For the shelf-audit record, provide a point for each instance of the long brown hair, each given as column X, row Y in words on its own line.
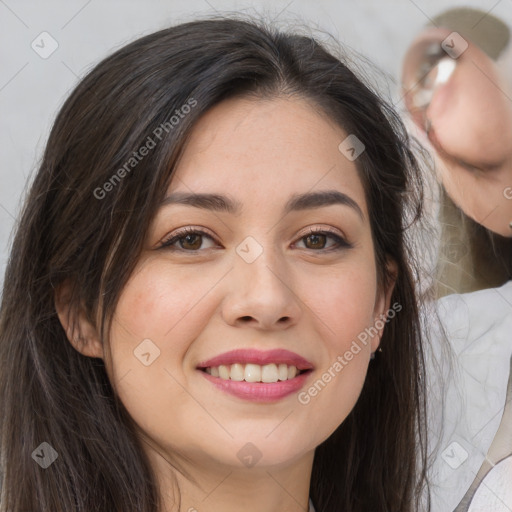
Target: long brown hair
column 72, row 229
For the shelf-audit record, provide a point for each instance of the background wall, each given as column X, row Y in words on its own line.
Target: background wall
column 32, row 88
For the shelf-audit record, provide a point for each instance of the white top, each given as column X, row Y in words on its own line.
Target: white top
column 495, row 492
column 469, row 398
column 311, row 508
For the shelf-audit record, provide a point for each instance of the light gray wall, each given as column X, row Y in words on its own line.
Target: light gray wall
column 32, row 88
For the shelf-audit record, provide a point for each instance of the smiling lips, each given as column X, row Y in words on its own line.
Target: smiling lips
column 253, row 372
column 256, row 375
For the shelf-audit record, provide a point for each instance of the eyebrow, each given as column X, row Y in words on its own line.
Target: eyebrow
column 298, row 202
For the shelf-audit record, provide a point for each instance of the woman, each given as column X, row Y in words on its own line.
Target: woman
column 458, row 90
column 459, row 86
column 209, row 303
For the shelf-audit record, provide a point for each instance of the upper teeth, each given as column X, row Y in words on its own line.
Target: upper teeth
column 253, row 372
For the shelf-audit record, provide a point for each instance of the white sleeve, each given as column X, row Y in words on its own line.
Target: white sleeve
column 466, row 398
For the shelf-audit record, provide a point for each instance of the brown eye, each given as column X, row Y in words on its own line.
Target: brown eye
column 188, row 240
column 323, row 241
column 315, row 241
column 191, row 242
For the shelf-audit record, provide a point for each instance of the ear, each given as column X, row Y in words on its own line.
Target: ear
column 80, row 331
column 383, row 303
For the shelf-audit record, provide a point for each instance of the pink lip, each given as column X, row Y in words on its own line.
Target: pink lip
column 258, row 391
column 245, row 356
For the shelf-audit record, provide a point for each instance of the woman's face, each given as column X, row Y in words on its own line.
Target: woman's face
column 464, row 105
column 259, row 260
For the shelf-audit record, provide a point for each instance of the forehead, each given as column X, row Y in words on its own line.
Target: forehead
column 261, row 148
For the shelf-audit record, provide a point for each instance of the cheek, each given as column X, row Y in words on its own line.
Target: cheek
column 345, row 301
column 163, row 304
column 344, row 305
column 155, row 299
column 158, row 314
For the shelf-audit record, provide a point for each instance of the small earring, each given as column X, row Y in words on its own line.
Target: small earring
column 372, row 355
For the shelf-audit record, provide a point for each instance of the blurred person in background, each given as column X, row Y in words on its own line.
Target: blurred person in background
column 457, row 80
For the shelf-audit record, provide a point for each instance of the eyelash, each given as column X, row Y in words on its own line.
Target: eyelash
column 182, row 233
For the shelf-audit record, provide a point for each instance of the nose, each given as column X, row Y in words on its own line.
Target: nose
column 261, row 294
